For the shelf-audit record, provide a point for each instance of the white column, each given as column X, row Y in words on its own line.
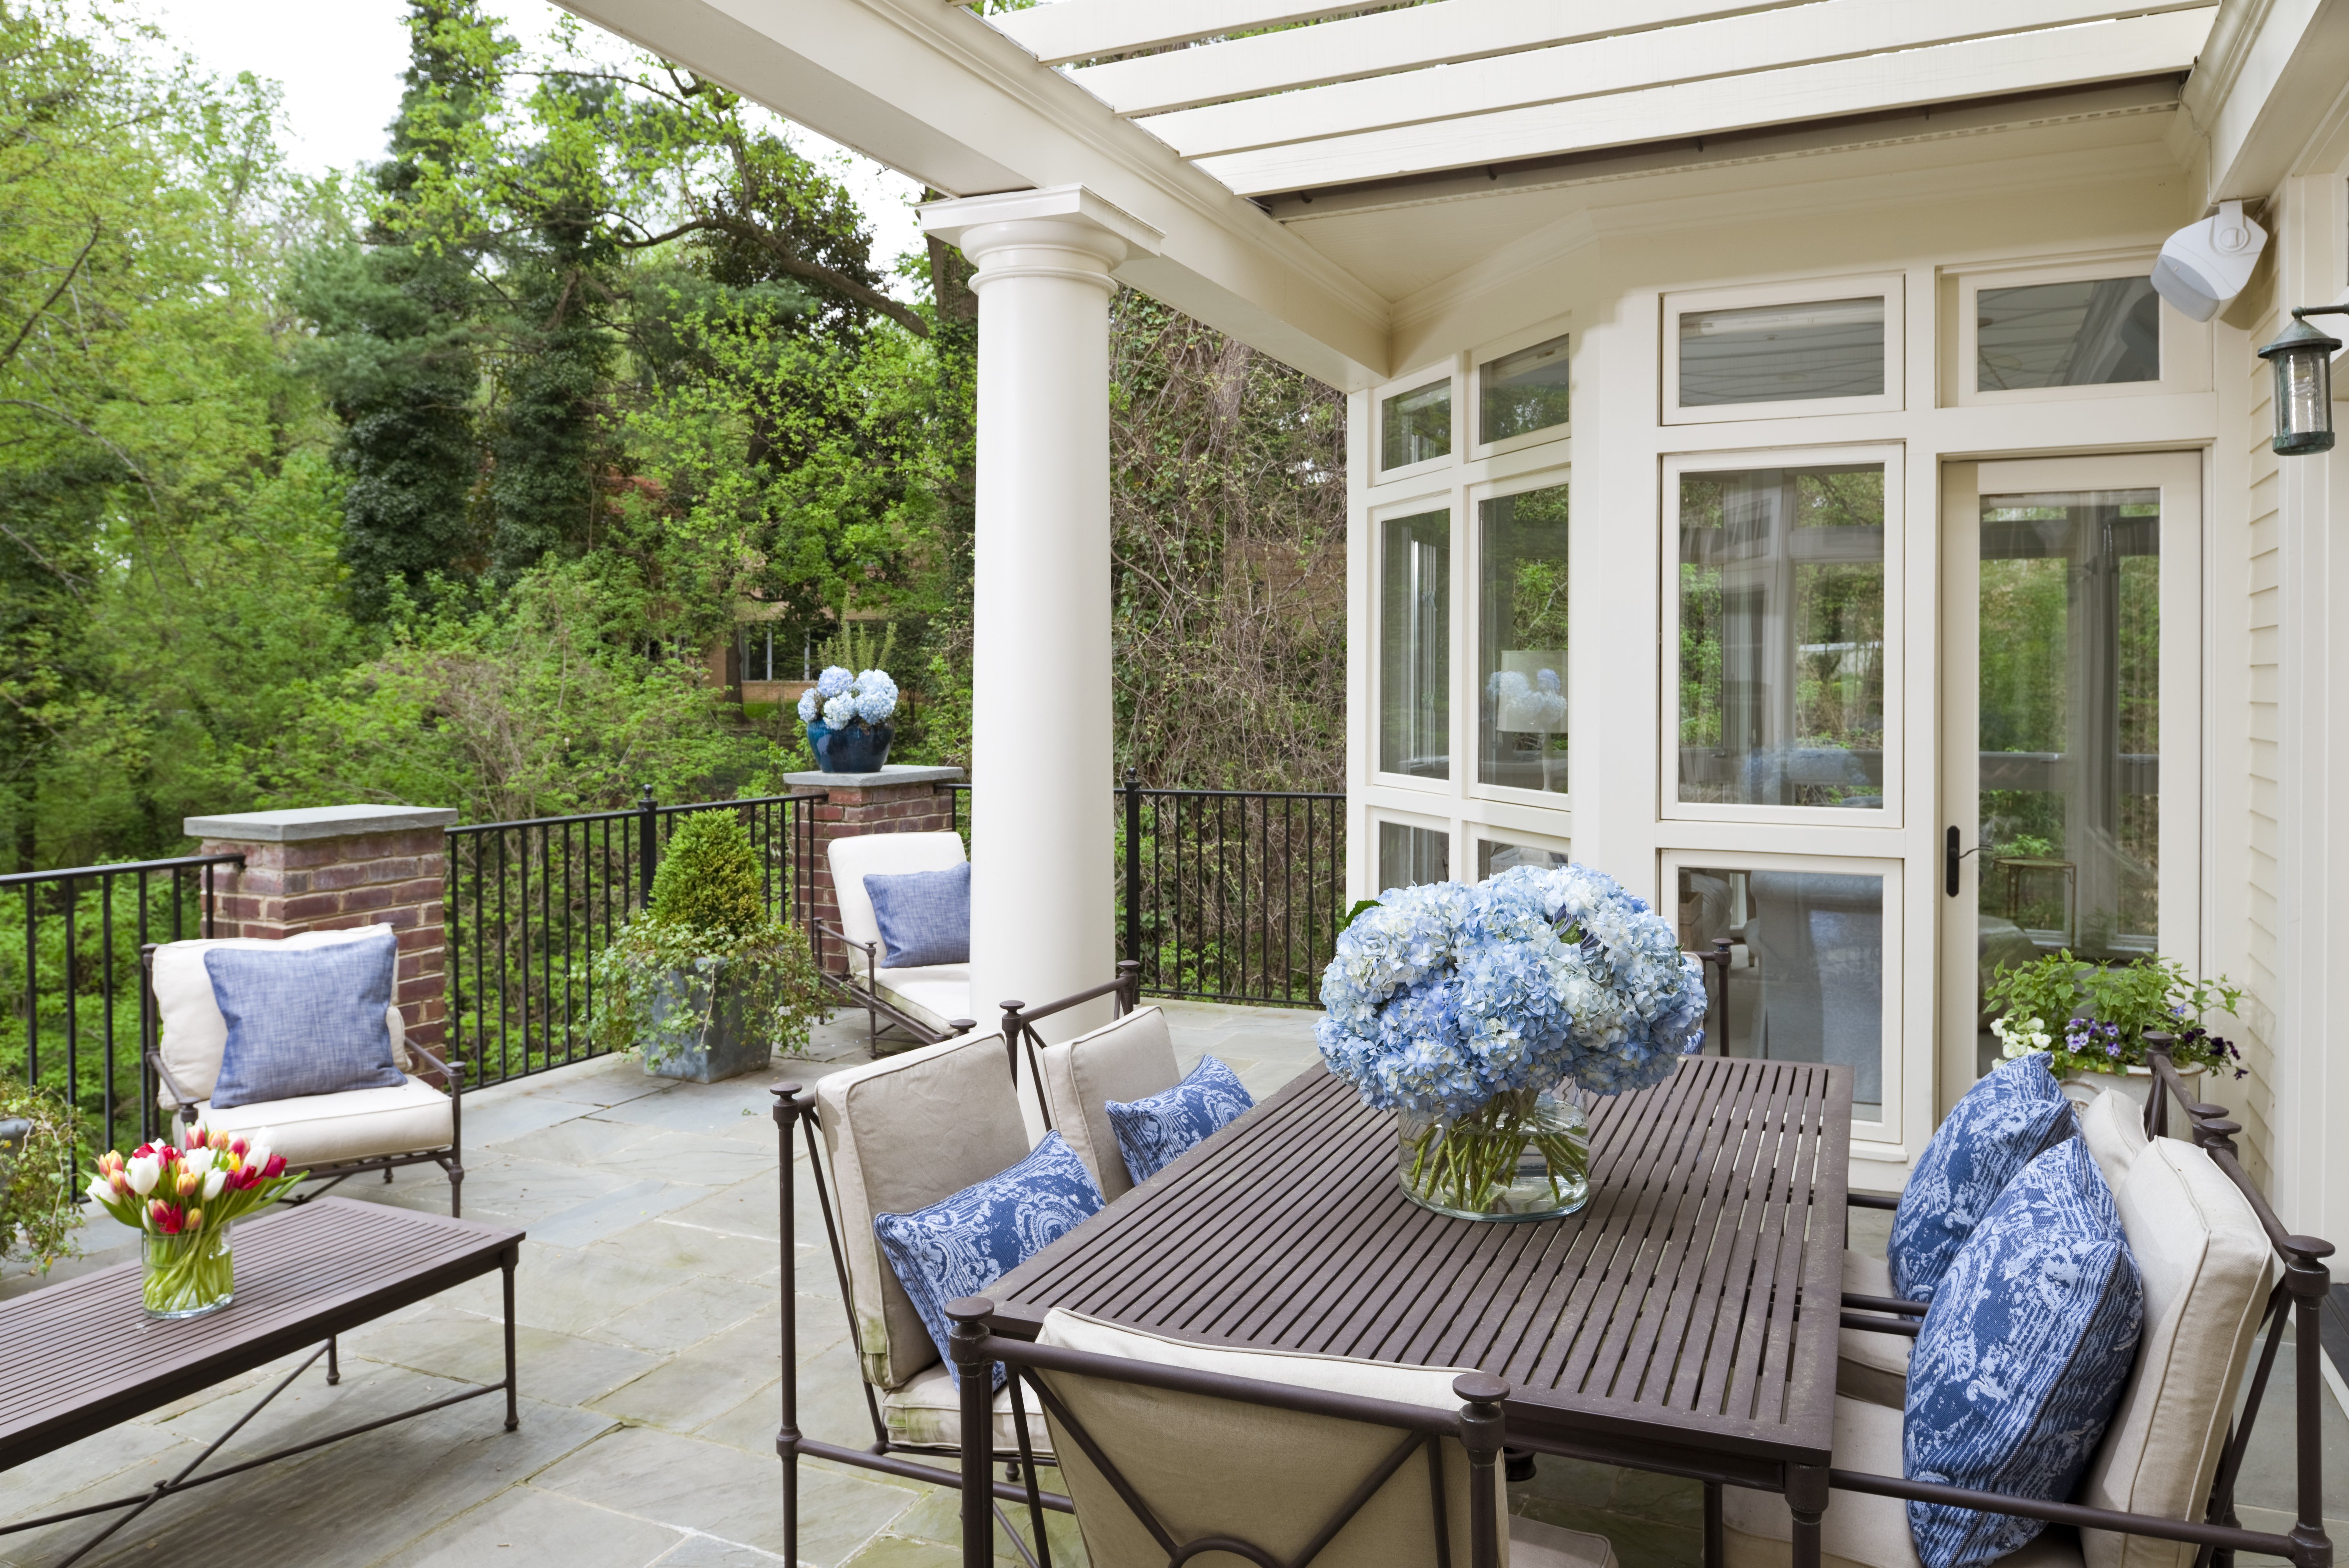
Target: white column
column 1042, row 907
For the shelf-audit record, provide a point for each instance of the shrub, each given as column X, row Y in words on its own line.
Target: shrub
column 37, row 1213
column 709, row 880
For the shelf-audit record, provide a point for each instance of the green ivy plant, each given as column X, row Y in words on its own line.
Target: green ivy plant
column 37, row 1210
column 2093, row 1017
column 705, row 945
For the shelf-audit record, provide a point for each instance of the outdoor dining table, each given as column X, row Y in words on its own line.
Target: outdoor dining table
column 1663, row 1327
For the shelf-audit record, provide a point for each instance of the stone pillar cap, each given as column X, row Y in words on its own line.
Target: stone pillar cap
column 318, row 823
column 891, row 773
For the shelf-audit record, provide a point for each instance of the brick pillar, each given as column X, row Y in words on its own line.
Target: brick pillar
column 897, row 799
column 334, row 867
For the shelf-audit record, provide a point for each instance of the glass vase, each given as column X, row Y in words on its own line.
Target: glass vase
column 1520, row 1156
column 186, row 1276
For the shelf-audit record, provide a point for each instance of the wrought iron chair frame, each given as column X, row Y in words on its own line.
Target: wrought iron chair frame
column 2299, row 1294
column 1019, row 1022
column 325, row 1175
column 867, row 996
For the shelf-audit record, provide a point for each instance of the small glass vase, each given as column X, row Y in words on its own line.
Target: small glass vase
column 1521, row 1156
column 186, row 1276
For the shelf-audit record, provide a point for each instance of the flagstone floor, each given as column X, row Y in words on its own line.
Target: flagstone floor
column 649, row 1341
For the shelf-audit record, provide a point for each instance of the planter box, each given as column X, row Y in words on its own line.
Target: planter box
column 727, row 1048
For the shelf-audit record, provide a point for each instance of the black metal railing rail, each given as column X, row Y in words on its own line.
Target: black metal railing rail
column 70, row 945
column 530, row 904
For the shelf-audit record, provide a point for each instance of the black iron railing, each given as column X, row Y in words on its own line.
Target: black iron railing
column 530, row 904
column 71, row 964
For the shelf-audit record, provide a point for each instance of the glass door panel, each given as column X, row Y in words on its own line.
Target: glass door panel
column 1521, row 640
column 1415, row 645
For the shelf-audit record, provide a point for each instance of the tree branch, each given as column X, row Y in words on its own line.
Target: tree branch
column 791, row 261
column 96, row 227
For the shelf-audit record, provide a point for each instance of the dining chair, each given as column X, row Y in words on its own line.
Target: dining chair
column 1174, row 1450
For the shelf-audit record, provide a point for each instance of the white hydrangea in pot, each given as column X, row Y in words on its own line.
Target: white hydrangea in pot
column 847, row 718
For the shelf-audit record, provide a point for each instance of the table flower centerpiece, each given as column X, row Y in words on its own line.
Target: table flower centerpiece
column 847, row 718
column 181, row 1200
column 1469, row 1010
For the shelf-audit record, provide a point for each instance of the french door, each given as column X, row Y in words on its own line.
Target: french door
column 2071, row 724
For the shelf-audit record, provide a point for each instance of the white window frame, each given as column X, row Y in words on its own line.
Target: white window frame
column 2185, row 343
column 1887, row 817
column 1473, row 415
column 1378, row 816
column 1805, row 290
column 1483, row 833
column 1445, row 499
column 1877, row 1140
column 1472, row 679
column 1426, row 375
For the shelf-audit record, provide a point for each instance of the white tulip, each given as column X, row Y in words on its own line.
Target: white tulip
column 197, row 1159
column 213, row 1181
column 101, row 1190
column 143, row 1173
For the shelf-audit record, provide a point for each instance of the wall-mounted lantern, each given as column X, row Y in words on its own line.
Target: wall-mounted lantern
column 2302, row 358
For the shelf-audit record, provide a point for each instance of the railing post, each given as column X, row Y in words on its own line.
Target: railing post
column 648, row 848
column 1132, row 867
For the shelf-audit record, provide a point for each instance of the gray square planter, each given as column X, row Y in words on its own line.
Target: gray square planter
column 727, row 1048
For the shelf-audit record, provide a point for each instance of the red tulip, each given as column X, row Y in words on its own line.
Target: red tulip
column 275, row 1169
column 166, row 1216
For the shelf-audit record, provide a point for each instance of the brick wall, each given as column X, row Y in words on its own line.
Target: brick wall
column 850, row 809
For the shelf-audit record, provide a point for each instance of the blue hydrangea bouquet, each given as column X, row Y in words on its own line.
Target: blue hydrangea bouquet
column 847, row 718
column 1469, row 1009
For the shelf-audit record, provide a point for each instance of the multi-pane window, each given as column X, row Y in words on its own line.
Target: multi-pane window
column 1520, row 393
column 1415, row 427
column 1414, row 646
column 1521, row 641
column 1408, row 856
column 2097, row 331
column 1782, row 636
column 1783, row 353
column 765, row 657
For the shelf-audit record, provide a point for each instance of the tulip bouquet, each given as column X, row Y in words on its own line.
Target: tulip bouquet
column 181, row 1200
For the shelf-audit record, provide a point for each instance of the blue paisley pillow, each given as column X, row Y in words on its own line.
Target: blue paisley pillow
column 2021, row 1360
column 960, row 1245
column 2005, row 1121
column 1152, row 1132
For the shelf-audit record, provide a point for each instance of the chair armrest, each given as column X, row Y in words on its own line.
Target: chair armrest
column 452, row 1071
column 1907, row 1327
column 1884, row 1201
column 181, row 1097
column 870, row 949
column 1887, row 1303
column 2231, row 1537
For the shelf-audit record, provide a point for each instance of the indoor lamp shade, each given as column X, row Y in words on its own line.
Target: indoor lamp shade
column 2303, row 357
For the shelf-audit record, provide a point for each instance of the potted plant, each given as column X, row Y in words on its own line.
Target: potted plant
column 703, row 980
column 2094, row 1019
column 37, row 1211
column 847, row 718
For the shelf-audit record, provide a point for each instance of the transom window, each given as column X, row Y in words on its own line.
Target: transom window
column 1520, row 393
column 2093, row 332
column 1782, row 352
column 1415, row 427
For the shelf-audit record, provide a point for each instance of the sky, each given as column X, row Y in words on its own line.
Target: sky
column 339, row 62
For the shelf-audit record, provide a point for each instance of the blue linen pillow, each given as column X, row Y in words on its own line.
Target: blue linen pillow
column 1152, row 1132
column 2009, row 1119
column 304, row 1020
column 960, row 1245
column 2022, row 1359
column 923, row 917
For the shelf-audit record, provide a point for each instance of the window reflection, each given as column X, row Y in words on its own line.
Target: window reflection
column 1782, row 637
column 1521, row 639
column 1414, row 646
column 1408, row 856
column 1522, row 392
column 1415, row 426
column 1783, row 353
column 1494, row 857
column 2098, row 333
column 1806, row 967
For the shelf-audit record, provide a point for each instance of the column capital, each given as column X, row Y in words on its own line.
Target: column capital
column 1003, row 233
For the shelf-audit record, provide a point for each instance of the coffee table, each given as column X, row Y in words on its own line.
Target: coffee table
column 1686, row 1321
column 82, row 1356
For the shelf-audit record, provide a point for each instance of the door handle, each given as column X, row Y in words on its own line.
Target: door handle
column 1952, row 860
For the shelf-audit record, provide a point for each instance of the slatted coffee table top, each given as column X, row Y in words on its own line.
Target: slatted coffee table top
column 1666, row 1311
column 81, row 1354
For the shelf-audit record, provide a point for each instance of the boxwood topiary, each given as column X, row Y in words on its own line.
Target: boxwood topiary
column 709, row 879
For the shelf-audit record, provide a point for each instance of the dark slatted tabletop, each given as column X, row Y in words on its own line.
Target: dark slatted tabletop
column 1660, row 1321
column 80, row 1356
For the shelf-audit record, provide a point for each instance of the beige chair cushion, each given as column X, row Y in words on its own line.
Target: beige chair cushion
column 860, row 855
column 193, row 1032
column 926, row 1413
column 2207, row 1268
column 319, row 1128
column 1860, row 1530
column 900, row 1135
column 1272, row 1475
column 2113, row 1125
column 1129, row 1059
column 1871, row 1367
column 934, row 993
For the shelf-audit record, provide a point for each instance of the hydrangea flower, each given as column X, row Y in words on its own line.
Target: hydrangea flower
column 834, row 682
column 876, row 696
column 1443, row 996
column 808, row 705
column 839, row 711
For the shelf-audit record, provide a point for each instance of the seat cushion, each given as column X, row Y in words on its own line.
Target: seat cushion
column 854, row 857
column 966, row 1241
column 409, row 1118
column 1153, row 1133
column 1131, row 1058
column 2003, row 1122
column 926, row 1413
column 2208, row 1268
column 304, row 1020
column 1860, row 1530
column 2113, row 1125
column 924, row 917
column 1871, row 1367
column 2022, row 1357
column 934, row 994
column 899, row 1135
column 193, row 1033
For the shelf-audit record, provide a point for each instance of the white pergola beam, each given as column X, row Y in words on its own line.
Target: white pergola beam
column 1803, row 35
column 1088, row 29
column 2070, row 56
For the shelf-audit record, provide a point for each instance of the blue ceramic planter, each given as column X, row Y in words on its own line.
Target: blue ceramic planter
column 858, row 748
